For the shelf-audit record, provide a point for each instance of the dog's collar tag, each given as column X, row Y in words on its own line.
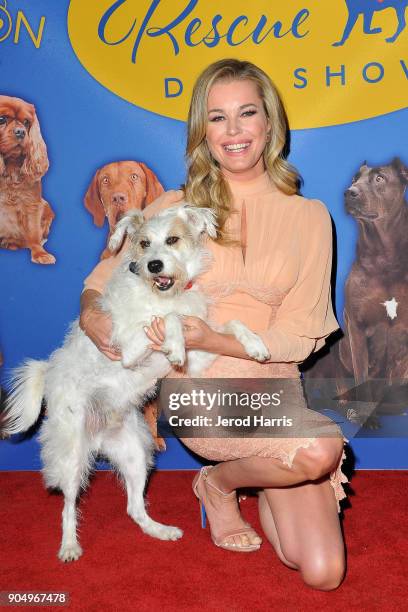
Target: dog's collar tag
column 189, row 285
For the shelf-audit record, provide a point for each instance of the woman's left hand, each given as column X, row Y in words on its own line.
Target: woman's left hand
column 197, row 334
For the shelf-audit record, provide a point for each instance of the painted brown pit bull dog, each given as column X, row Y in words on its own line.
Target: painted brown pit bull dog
column 374, row 349
column 375, row 344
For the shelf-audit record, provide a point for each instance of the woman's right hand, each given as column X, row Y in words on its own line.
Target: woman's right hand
column 97, row 325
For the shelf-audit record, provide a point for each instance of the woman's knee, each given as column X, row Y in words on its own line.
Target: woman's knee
column 319, row 458
column 325, row 574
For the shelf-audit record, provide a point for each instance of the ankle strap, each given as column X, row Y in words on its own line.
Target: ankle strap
column 205, row 471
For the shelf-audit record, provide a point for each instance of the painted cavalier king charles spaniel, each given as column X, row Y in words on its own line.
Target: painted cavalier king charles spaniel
column 25, row 217
column 117, row 188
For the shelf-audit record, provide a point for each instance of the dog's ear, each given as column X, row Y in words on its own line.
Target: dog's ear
column 153, row 186
column 36, row 160
column 203, row 219
column 130, row 225
column 93, row 202
column 401, row 168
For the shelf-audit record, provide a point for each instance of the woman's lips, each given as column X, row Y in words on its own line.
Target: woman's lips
column 236, row 148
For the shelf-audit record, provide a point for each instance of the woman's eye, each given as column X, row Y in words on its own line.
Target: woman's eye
column 172, row 240
column 249, row 113
column 144, row 244
column 216, row 118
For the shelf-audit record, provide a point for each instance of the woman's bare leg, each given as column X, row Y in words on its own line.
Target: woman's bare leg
column 269, row 528
column 304, row 528
column 309, row 464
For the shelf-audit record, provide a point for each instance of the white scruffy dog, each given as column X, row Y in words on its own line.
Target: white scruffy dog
column 92, row 401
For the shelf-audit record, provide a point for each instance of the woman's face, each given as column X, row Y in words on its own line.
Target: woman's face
column 237, row 128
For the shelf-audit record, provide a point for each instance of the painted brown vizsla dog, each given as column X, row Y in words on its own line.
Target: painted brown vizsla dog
column 117, row 188
column 25, row 217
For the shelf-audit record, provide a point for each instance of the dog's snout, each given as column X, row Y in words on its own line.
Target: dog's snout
column 119, row 198
column 20, row 133
column 155, row 266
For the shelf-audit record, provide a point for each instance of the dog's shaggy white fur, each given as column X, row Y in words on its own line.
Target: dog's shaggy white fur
column 92, row 401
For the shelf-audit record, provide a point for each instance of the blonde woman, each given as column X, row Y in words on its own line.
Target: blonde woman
column 271, row 270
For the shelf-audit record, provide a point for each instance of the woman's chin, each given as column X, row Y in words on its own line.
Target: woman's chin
column 242, row 170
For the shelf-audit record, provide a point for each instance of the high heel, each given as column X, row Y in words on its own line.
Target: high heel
column 203, row 515
column 221, row 540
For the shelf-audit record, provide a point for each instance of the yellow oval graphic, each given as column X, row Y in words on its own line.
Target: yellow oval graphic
column 334, row 62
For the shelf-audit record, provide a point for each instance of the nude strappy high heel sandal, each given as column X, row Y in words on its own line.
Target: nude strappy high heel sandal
column 229, row 498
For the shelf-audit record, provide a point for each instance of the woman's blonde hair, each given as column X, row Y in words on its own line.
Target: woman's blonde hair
column 205, row 185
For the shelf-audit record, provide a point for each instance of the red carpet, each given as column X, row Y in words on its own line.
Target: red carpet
column 122, row 569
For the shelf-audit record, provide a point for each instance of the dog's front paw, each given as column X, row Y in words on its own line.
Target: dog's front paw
column 373, row 422
column 367, row 421
column 70, row 552
column 256, row 349
column 43, row 257
column 175, row 354
column 252, row 343
column 159, row 443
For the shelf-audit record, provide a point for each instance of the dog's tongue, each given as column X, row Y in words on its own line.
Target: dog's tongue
column 163, row 280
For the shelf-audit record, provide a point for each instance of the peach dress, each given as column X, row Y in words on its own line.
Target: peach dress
column 278, row 284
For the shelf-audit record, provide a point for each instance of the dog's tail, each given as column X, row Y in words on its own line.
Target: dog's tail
column 23, row 404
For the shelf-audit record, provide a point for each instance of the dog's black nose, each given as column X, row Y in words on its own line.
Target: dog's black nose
column 155, row 266
column 20, row 133
column 133, row 267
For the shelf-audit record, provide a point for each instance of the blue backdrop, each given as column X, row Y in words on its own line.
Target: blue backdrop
column 86, row 126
